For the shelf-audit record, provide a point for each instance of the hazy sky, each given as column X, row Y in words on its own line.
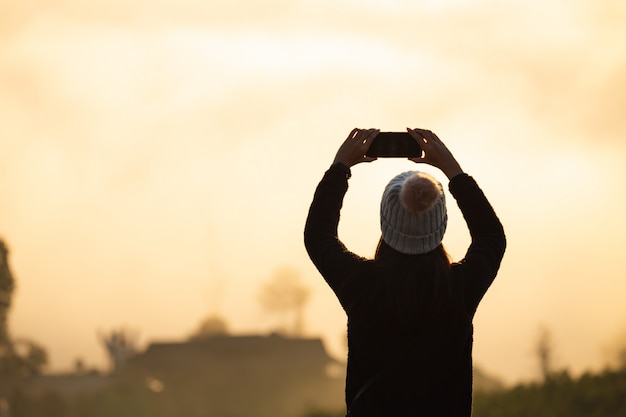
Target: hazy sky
column 157, row 160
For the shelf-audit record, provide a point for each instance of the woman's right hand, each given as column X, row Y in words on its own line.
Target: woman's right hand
column 435, row 153
column 352, row 151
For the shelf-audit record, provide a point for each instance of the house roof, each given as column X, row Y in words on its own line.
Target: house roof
column 250, row 351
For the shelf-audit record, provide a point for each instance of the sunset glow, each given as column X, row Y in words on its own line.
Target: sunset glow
column 157, row 161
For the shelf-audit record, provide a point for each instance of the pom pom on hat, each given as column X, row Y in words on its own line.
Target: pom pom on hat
column 419, row 192
column 413, row 216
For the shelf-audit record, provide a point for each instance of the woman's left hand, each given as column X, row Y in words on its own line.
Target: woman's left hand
column 352, row 151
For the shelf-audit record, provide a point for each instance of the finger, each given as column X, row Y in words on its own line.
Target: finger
column 353, row 133
column 414, row 134
column 370, row 138
column 372, row 133
column 430, row 136
column 361, row 134
column 367, row 136
column 422, row 132
column 419, row 138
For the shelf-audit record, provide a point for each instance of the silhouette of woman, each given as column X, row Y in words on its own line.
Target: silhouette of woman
column 410, row 309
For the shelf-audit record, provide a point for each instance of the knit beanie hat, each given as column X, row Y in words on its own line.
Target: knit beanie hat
column 413, row 214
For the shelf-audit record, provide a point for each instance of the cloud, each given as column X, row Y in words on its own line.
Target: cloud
column 160, row 135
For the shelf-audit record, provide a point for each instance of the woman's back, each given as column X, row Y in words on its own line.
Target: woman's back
column 410, row 328
column 409, row 310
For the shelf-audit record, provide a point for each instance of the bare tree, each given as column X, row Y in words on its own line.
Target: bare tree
column 286, row 295
column 120, row 345
column 545, row 353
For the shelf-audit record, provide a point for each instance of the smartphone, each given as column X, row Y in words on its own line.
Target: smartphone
column 394, row 145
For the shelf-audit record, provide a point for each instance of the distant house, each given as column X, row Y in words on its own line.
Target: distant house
column 250, row 375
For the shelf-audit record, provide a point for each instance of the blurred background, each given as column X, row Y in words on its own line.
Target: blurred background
column 157, row 160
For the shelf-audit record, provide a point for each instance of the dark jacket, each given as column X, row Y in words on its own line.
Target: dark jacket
column 409, row 335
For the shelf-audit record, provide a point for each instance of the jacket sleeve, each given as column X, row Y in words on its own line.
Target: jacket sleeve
column 488, row 242
column 335, row 263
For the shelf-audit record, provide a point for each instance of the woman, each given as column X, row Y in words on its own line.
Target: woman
column 409, row 309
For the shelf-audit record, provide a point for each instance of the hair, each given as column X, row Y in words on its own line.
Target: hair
column 418, row 277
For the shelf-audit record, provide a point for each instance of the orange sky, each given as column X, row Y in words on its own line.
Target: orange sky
column 157, row 161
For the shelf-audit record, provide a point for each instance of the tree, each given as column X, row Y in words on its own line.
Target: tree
column 120, row 345
column 286, row 295
column 7, row 285
column 32, row 357
column 210, row 326
column 18, row 358
column 545, row 354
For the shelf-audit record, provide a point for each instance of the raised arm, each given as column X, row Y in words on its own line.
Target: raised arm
column 332, row 259
column 483, row 257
